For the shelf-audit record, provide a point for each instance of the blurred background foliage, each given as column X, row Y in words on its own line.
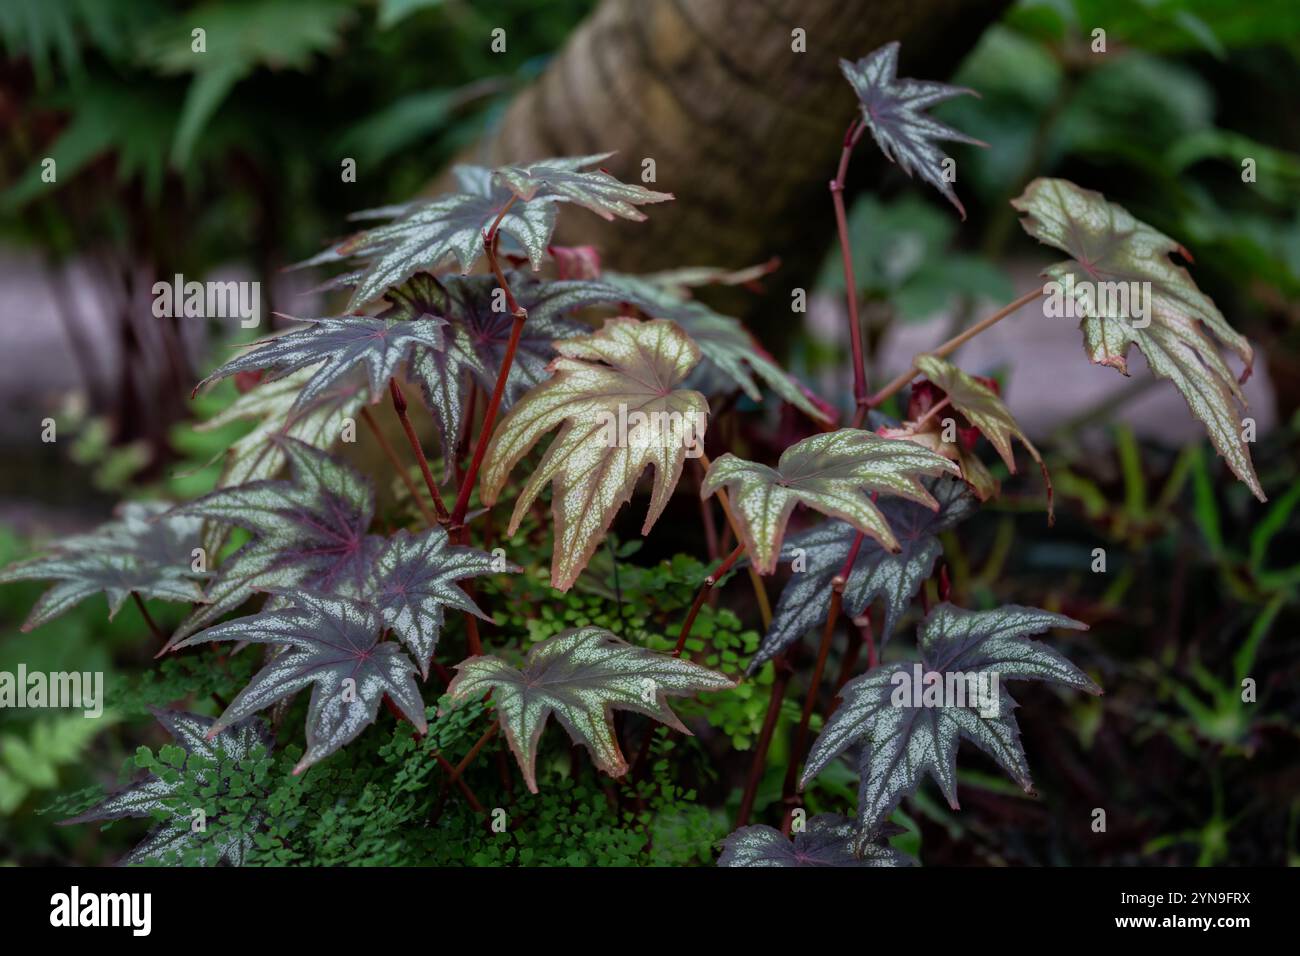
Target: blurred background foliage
column 167, row 164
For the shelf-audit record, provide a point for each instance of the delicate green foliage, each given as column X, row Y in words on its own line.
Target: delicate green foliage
column 372, row 804
column 206, row 752
column 835, row 473
column 962, row 652
column 479, row 334
column 894, row 110
column 827, row 841
column 565, row 180
column 336, row 347
column 982, row 407
column 414, row 577
column 601, row 385
column 238, row 39
column 581, row 676
column 1108, row 245
column 309, row 531
column 877, row 572
column 147, row 550
column 36, row 759
column 334, row 647
column 729, row 352
column 427, row 236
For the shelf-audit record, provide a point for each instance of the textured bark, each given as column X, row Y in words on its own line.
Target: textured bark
column 742, row 129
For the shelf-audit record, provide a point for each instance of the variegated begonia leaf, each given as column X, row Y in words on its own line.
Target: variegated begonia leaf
column 332, row 644
column 730, row 352
column 982, row 407
column 479, row 333
column 828, row 840
column 156, row 795
column 414, row 577
column 835, row 473
column 1120, row 267
column 614, row 396
column 906, row 718
column 567, row 180
column 308, row 531
column 894, row 110
column 877, row 572
column 146, row 550
column 581, row 675
column 336, row 347
column 431, row 235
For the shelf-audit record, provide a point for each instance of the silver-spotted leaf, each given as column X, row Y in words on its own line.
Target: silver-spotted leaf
column 982, row 407
column 877, row 573
column 828, row 840
column 146, row 550
column 580, row 675
column 568, row 180
column 414, row 577
column 894, row 111
column 308, row 531
column 1120, row 263
column 615, row 397
column 336, row 347
column 835, row 473
column 730, row 353
column 966, row 658
column 431, row 235
column 153, row 795
column 331, row 644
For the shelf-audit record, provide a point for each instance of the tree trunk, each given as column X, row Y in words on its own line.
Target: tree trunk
column 743, row 130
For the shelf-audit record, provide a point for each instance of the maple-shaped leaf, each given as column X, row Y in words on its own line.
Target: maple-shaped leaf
column 414, row 577
column 479, row 334
column 834, row 473
column 730, row 352
column 615, row 395
column 894, row 110
column 146, row 550
column 308, row 531
column 580, row 675
column 333, row 646
column 430, row 235
column 155, row 794
column 336, row 347
column 982, row 407
column 877, row 572
column 962, row 653
column 828, row 840
column 1122, row 266
column 567, row 180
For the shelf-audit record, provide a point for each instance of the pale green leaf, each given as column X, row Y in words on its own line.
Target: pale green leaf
column 580, row 676
column 614, row 396
column 836, row 473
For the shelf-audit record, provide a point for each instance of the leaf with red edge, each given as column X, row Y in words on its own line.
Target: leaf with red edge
column 1109, row 246
column 616, row 399
column 837, row 473
column 581, row 676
